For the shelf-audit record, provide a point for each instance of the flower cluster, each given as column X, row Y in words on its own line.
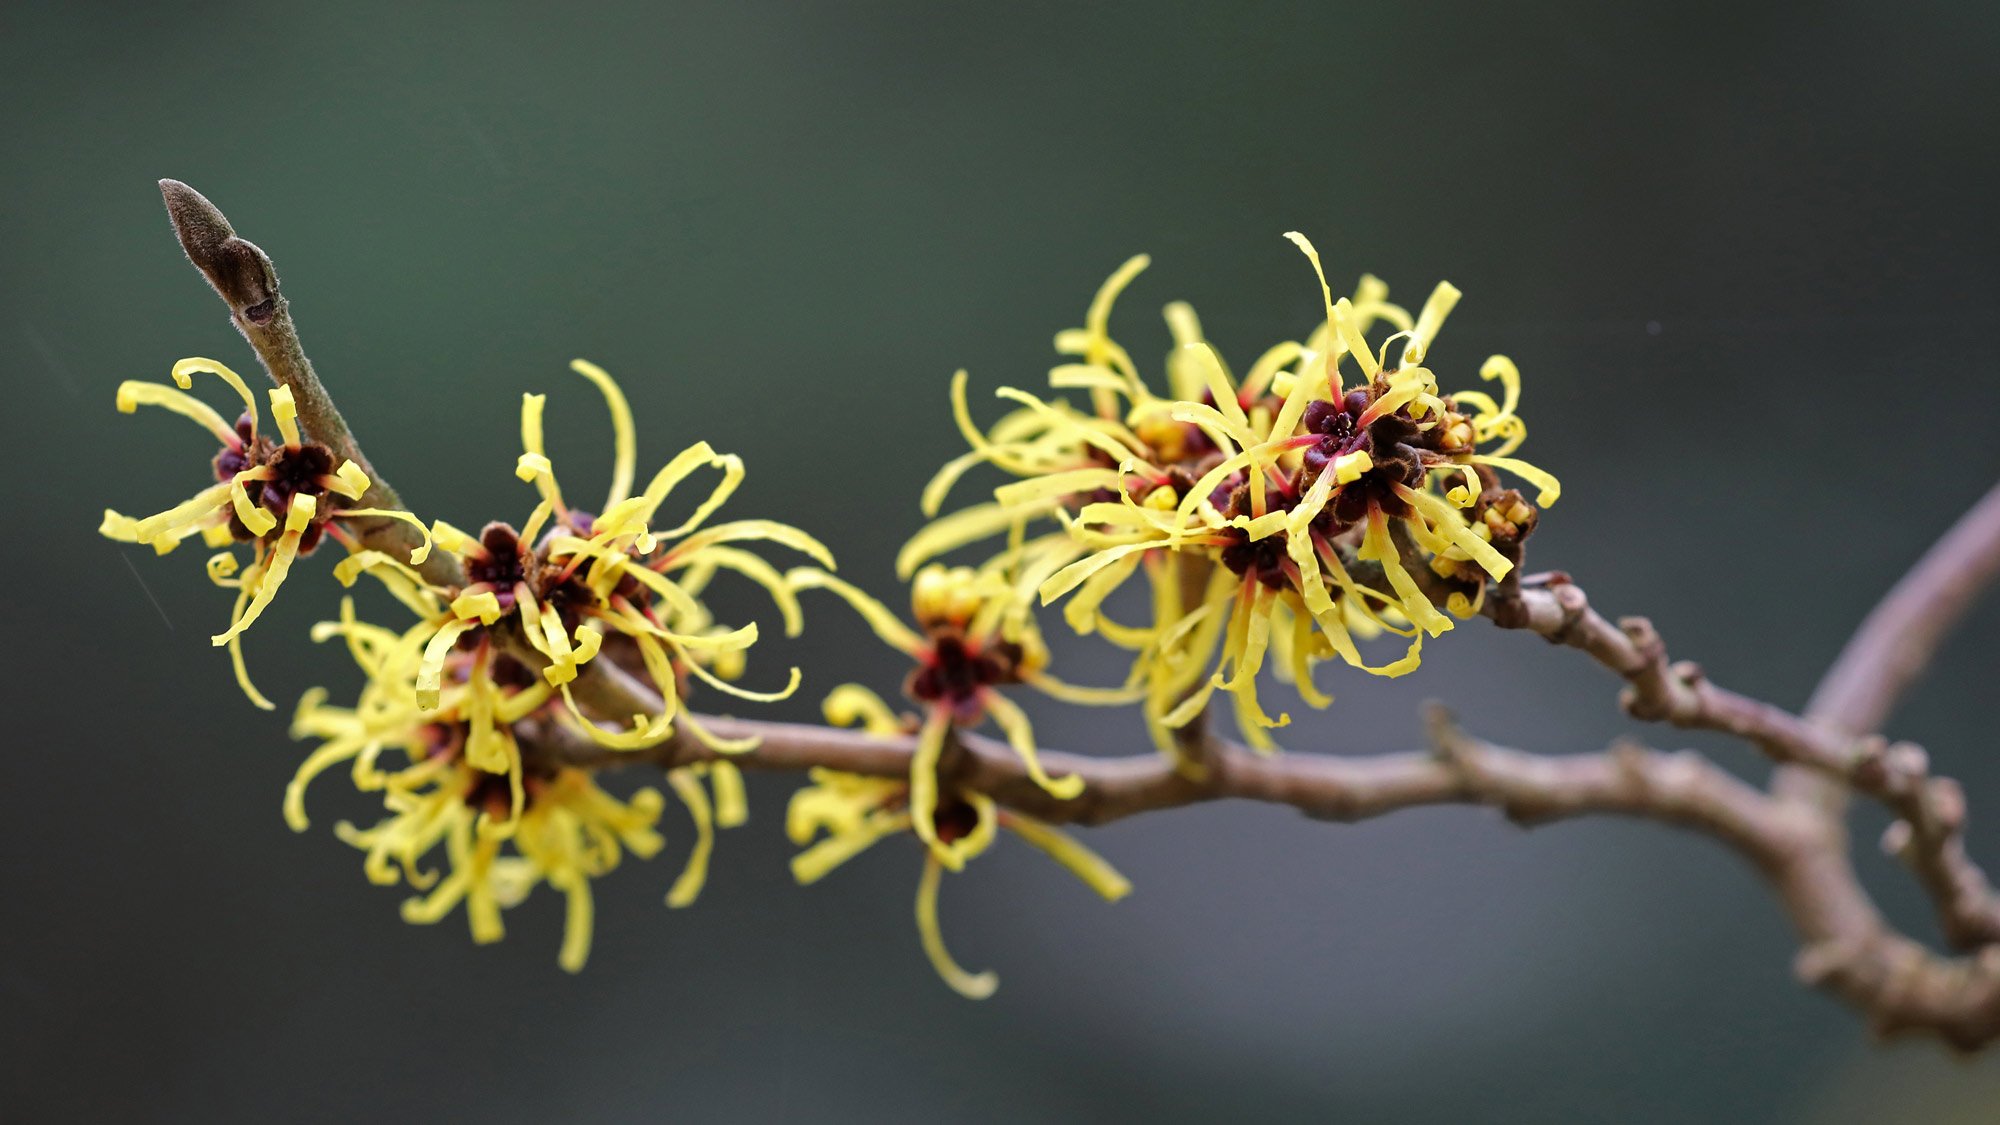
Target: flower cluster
column 570, row 587
column 1281, row 516
column 467, row 718
column 1330, row 495
column 459, row 781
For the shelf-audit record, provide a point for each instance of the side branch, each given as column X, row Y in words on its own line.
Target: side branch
column 1894, row 644
column 1846, row 947
column 1929, row 835
column 1659, row 691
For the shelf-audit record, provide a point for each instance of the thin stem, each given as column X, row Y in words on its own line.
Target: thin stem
column 1896, row 641
column 243, row 276
column 1898, row 637
column 1930, row 833
column 1846, row 947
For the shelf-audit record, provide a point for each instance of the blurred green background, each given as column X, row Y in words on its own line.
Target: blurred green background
column 1745, row 257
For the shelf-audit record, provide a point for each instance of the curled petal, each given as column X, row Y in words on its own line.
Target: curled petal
column 1442, row 300
column 1445, row 519
column 924, row 779
column 259, row 521
column 813, row 864
column 886, row 624
column 236, row 665
column 186, row 369
column 645, row 731
column 732, row 804
column 967, row 525
column 272, row 574
column 330, row 754
column 1326, row 296
column 430, row 672
column 854, row 705
column 418, row 553
column 350, row 481
column 579, row 919
column 133, row 394
column 1501, row 368
column 624, row 442
column 1021, row 736
column 1076, row 693
column 724, row 686
column 739, row 530
column 1551, row 489
column 285, row 412
column 972, row 986
column 1087, row 865
column 695, row 873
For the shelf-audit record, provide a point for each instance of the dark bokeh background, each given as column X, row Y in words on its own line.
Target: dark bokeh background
column 1745, row 257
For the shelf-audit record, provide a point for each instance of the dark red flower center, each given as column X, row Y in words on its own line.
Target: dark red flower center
column 956, row 669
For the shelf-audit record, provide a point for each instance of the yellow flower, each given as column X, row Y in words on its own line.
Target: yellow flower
column 473, row 721
column 1314, row 484
column 281, row 496
column 463, row 785
column 855, row 812
column 1126, row 442
column 571, row 832
column 495, row 656
column 1065, row 456
column 1122, row 464
column 1263, row 510
column 974, row 635
column 576, row 586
